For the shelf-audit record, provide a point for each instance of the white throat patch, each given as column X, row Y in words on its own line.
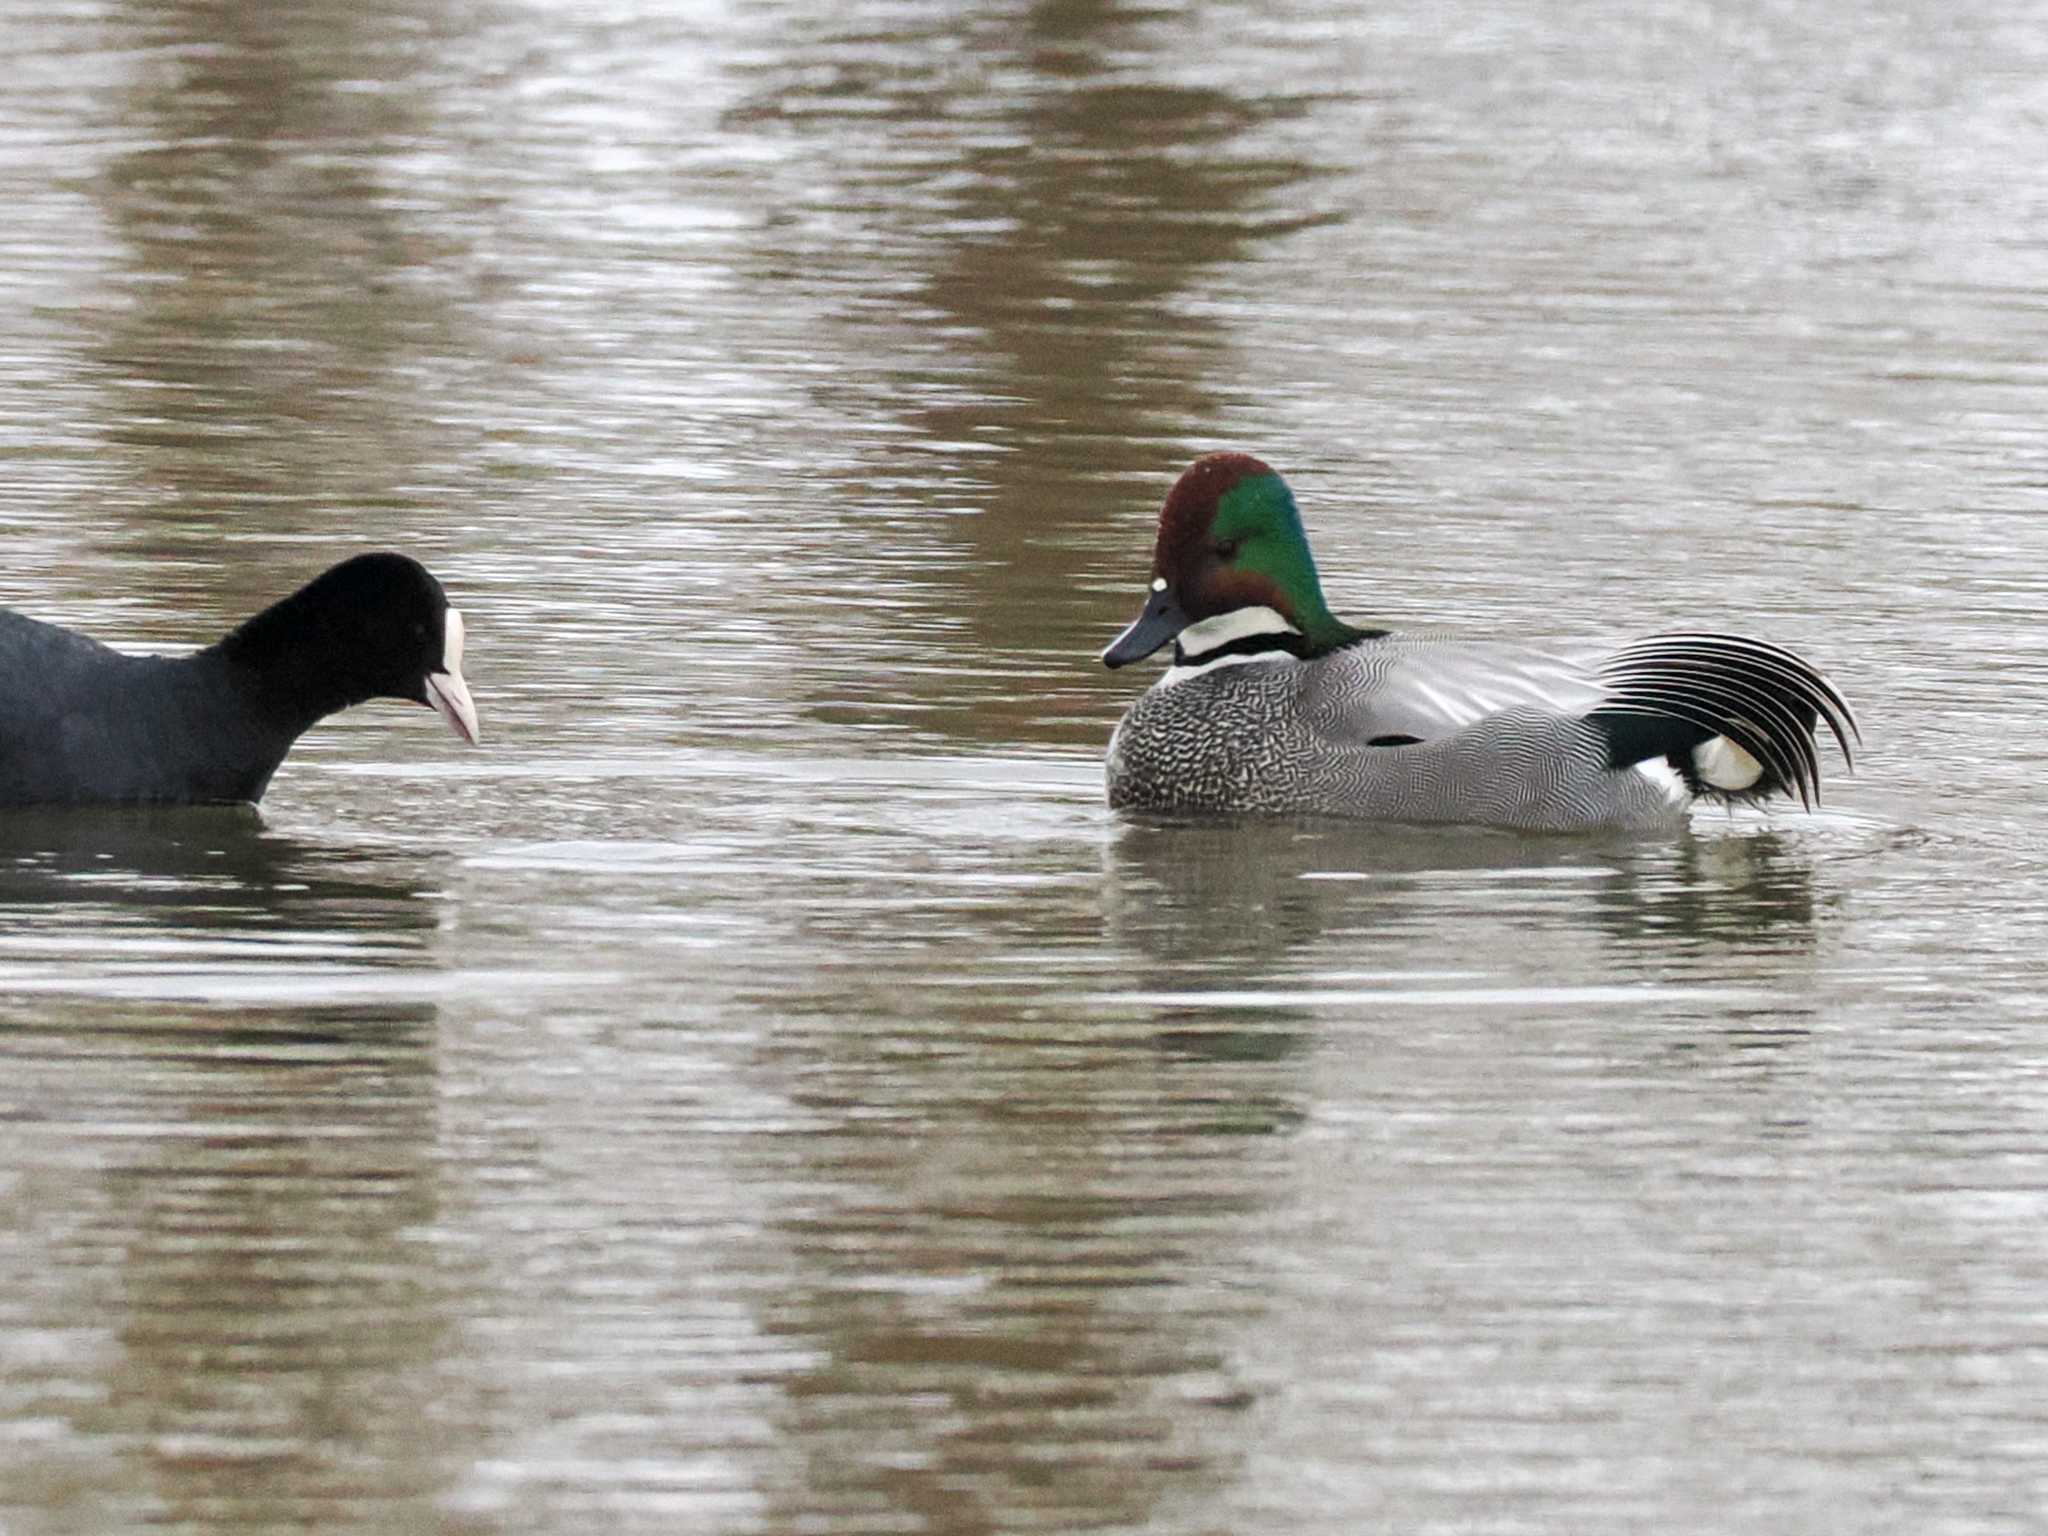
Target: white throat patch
column 1199, row 642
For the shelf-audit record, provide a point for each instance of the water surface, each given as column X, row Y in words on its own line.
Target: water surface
column 763, row 1089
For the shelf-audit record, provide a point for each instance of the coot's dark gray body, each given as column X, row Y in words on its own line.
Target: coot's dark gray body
column 81, row 723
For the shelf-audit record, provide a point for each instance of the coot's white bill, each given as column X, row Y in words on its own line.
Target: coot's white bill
column 446, row 689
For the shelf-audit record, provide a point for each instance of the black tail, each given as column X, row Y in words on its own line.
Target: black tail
column 1669, row 695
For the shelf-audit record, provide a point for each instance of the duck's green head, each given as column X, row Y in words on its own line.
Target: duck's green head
column 1232, row 566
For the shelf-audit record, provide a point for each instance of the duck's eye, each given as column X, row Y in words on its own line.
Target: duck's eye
column 1226, row 549
column 419, row 630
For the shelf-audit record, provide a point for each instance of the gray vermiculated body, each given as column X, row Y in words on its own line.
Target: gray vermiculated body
column 1503, row 742
column 81, row 723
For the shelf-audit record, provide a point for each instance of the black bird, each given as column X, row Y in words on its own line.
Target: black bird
column 82, row 724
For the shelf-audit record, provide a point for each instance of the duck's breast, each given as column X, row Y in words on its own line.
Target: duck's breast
column 1230, row 739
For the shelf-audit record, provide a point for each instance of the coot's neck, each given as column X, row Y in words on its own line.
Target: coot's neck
column 281, row 661
column 221, row 728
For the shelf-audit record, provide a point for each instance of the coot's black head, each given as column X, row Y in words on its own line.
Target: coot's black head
column 373, row 627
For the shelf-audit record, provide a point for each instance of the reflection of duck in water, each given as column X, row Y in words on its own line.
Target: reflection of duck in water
column 1748, row 888
column 1274, row 704
column 1249, row 889
column 1246, row 924
column 1259, row 924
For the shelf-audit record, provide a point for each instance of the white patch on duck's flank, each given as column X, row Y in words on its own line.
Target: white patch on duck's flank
column 1158, row 583
column 1725, row 765
column 447, row 691
column 1664, row 778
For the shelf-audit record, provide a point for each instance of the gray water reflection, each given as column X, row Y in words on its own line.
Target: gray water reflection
column 1045, row 199
column 275, row 1310
column 200, row 902
column 275, row 301
column 220, row 1305
column 764, row 1090
column 1006, row 1331
column 1230, row 897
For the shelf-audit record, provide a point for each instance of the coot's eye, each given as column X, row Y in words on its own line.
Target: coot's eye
column 419, row 630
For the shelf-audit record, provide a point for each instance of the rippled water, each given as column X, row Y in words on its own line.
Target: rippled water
column 763, row 1089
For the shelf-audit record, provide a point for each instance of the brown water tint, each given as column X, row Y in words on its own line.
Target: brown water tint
column 763, row 1090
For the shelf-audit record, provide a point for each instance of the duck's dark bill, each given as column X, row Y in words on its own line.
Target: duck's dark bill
column 1159, row 623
